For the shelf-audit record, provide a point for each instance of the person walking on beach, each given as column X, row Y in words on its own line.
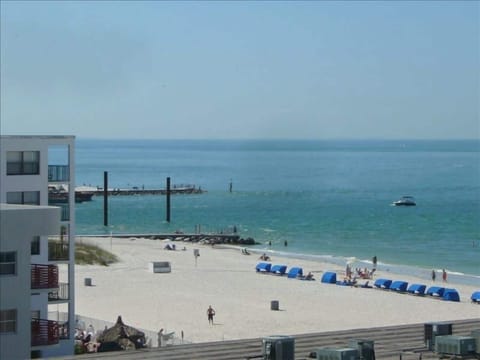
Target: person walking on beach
column 210, row 314
column 444, row 275
column 374, row 261
column 433, row 275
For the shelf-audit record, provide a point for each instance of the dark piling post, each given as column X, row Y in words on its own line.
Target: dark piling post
column 168, row 199
column 105, row 198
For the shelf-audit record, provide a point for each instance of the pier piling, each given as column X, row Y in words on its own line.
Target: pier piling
column 168, row 199
column 105, row 198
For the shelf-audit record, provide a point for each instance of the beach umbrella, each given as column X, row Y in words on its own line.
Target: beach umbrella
column 121, row 336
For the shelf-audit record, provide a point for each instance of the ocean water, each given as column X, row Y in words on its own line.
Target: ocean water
column 327, row 199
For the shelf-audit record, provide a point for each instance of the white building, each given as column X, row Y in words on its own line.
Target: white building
column 37, row 252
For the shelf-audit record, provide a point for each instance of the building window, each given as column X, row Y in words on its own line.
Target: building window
column 35, row 246
column 23, row 162
column 23, row 197
column 8, row 321
column 8, row 263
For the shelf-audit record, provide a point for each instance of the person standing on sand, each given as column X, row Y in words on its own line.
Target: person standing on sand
column 210, row 314
column 160, row 337
column 444, row 275
column 433, row 275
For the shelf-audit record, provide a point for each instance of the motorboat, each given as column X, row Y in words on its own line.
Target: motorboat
column 405, row 201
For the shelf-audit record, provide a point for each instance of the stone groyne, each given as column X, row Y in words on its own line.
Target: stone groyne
column 213, row 239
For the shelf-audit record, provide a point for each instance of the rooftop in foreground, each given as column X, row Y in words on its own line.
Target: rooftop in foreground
column 389, row 343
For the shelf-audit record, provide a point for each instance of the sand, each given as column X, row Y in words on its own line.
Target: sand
column 227, row 280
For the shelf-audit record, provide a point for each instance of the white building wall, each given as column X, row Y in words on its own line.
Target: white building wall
column 40, row 182
column 19, row 224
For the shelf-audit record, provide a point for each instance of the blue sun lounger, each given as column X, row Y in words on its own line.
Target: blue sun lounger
column 383, row 284
column 400, row 286
column 278, row 269
column 451, row 295
column 475, row 297
column 263, row 267
column 417, row 289
column 295, row 272
column 345, row 283
column 436, row 291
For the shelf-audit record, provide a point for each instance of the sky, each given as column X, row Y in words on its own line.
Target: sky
column 241, row 70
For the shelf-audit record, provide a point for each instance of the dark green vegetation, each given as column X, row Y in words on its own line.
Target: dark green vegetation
column 86, row 254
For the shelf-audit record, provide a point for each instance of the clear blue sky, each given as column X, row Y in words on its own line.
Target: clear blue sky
column 241, row 69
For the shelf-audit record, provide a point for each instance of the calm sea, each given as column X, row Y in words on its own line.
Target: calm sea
column 327, row 199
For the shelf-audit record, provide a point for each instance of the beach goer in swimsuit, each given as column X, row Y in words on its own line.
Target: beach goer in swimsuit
column 210, row 314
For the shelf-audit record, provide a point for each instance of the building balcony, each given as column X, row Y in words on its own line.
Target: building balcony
column 44, row 276
column 60, row 294
column 44, row 332
column 58, row 251
column 58, row 173
column 64, row 208
column 63, row 325
column 63, row 330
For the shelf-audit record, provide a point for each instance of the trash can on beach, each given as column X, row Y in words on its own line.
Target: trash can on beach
column 274, row 305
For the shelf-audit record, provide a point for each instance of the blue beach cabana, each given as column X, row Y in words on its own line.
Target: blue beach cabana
column 329, row 278
column 417, row 289
column 400, row 286
column 451, row 295
column 295, row 272
column 383, row 283
column 263, row 267
column 436, row 291
column 278, row 269
column 475, row 297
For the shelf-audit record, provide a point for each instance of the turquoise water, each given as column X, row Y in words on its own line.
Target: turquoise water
column 325, row 198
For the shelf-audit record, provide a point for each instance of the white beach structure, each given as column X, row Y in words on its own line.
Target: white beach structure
column 37, row 313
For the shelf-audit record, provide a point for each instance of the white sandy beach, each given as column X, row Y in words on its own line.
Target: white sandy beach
column 227, row 280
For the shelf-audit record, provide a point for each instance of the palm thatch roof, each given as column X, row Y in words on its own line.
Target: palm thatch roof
column 124, row 336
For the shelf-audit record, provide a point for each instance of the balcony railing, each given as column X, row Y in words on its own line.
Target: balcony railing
column 62, row 319
column 64, row 209
column 44, row 332
column 58, row 173
column 60, row 294
column 58, row 251
column 44, row 276
column 63, row 330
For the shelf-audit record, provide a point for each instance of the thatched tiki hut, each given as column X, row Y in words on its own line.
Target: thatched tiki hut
column 121, row 337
